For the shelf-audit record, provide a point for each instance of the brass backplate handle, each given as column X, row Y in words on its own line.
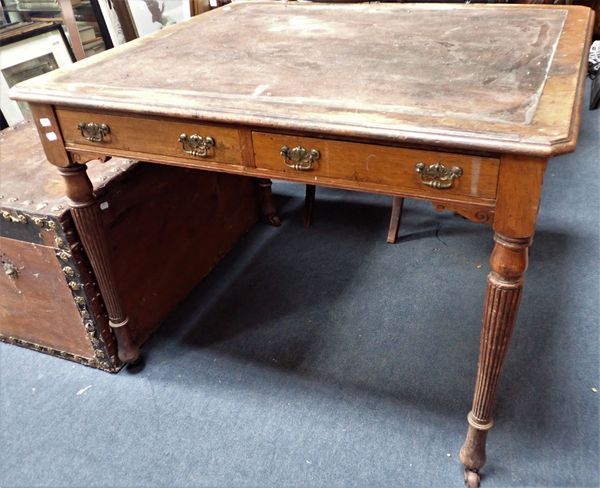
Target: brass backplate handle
column 438, row 176
column 196, row 145
column 93, row 131
column 299, row 158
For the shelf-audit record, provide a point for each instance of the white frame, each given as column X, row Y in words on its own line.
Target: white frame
column 111, row 19
column 141, row 18
column 50, row 42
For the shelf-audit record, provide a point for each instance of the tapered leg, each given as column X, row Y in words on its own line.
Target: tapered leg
column 504, row 285
column 86, row 215
column 397, row 204
column 265, row 196
column 309, row 205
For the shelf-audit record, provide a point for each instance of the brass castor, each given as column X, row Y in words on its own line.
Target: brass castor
column 274, row 220
column 471, row 478
column 136, row 366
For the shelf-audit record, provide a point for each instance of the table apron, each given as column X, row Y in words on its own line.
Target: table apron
column 83, row 154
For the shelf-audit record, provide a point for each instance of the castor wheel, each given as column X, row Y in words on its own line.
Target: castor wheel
column 134, row 367
column 274, row 220
column 471, row 478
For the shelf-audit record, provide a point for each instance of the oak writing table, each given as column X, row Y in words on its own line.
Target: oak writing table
column 460, row 105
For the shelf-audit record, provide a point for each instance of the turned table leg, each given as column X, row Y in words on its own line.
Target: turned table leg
column 504, row 285
column 517, row 203
column 86, row 215
column 265, row 197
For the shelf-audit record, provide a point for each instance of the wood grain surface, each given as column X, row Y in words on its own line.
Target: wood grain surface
column 151, row 135
column 390, row 167
column 40, row 277
column 478, row 77
column 8, row 34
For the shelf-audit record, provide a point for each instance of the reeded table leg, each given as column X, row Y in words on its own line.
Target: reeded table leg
column 517, row 203
column 505, row 282
column 265, row 196
column 86, row 215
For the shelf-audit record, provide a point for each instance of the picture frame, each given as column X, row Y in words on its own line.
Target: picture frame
column 25, row 53
column 141, row 17
column 113, row 31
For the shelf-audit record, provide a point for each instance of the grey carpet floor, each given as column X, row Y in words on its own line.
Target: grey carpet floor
column 328, row 358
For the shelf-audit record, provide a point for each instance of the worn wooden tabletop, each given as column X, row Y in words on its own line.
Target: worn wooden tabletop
column 492, row 78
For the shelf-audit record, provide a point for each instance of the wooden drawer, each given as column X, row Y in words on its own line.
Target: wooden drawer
column 380, row 166
column 137, row 137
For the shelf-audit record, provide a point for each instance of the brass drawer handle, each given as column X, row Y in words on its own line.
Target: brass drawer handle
column 196, row 145
column 438, row 176
column 299, row 158
column 92, row 131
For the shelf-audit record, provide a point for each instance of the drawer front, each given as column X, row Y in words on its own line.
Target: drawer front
column 148, row 136
column 387, row 167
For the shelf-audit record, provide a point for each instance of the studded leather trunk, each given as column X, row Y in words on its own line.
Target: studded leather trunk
column 167, row 228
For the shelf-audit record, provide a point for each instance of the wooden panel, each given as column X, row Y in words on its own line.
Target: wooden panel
column 184, row 221
column 38, row 306
column 70, row 22
column 475, row 77
column 519, row 195
column 150, row 135
column 49, row 133
column 20, row 32
column 381, row 165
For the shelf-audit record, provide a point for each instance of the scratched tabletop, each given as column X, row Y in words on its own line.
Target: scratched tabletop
column 484, row 77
